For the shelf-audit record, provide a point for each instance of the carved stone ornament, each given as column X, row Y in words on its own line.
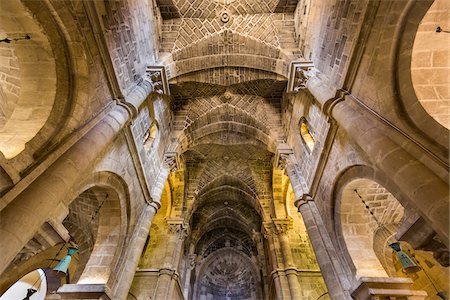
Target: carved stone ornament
column 178, row 227
column 283, row 161
column 170, row 159
column 269, row 230
column 283, row 225
column 156, row 75
column 192, row 260
column 299, row 75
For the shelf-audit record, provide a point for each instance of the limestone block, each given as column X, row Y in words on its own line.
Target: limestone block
column 384, row 288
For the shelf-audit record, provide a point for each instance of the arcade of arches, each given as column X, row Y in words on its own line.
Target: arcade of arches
column 224, row 149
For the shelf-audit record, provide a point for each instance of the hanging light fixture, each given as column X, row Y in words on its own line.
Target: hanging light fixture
column 63, row 265
column 408, row 265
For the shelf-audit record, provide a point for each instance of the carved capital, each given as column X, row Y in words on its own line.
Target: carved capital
column 282, row 226
column 178, row 227
column 300, row 73
column 269, row 230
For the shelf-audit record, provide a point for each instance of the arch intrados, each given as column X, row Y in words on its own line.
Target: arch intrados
column 10, row 276
column 403, row 86
column 347, row 176
column 187, row 141
column 244, row 118
column 230, row 181
column 190, row 65
column 211, row 258
column 36, row 279
column 238, row 226
column 50, row 122
column 215, row 205
column 209, row 238
column 180, row 79
column 222, row 193
column 118, row 191
column 205, row 41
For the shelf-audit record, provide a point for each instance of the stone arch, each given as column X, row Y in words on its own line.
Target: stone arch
column 403, row 81
column 30, row 78
column 366, row 206
column 430, row 68
column 35, row 279
column 94, row 217
column 270, row 57
column 113, row 211
column 226, row 188
column 197, row 134
column 118, row 208
column 267, row 64
column 42, row 260
column 52, row 43
column 240, row 260
column 341, row 197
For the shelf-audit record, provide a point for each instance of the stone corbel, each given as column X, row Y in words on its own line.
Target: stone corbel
column 299, row 75
column 156, row 76
column 171, row 161
column 283, row 158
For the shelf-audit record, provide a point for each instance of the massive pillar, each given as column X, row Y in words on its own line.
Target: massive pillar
column 326, row 255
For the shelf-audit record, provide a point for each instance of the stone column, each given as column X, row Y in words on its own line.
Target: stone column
column 122, row 283
column 168, row 276
column 191, row 266
column 332, row 270
column 282, row 226
column 279, row 278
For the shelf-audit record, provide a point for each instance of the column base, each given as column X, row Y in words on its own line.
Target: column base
column 383, row 288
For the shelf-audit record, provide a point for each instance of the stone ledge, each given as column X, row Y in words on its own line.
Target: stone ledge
column 384, row 287
column 83, row 291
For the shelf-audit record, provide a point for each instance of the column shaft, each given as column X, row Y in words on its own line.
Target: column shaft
column 133, row 254
column 330, row 266
column 294, row 285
